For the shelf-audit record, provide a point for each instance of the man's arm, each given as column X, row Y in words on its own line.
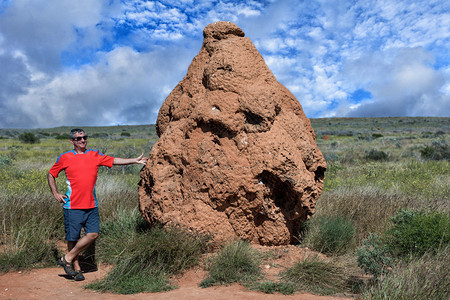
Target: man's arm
column 52, row 183
column 129, row 161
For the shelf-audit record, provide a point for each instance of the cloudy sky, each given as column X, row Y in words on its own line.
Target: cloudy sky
column 84, row 62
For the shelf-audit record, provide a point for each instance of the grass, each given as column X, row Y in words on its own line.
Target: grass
column 376, row 168
column 332, row 235
column 149, row 259
column 236, row 262
column 316, row 276
column 424, row 278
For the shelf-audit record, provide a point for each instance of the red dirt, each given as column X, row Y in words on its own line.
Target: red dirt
column 52, row 283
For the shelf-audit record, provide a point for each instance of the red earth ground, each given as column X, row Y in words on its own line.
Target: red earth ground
column 52, row 283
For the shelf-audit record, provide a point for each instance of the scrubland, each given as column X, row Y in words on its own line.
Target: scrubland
column 382, row 220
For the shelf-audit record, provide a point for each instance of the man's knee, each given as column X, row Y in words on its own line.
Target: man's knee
column 92, row 235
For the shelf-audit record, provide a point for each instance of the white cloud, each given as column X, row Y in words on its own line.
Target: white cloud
column 408, row 85
column 42, row 29
column 125, row 87
column 126, row 56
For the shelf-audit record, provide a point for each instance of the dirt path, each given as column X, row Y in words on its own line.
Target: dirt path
column 52, row 283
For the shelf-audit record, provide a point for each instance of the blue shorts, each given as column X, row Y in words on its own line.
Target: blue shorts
column 76, row 219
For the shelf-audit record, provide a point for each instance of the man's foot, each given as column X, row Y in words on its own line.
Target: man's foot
column 68, row 267
column 79, row 276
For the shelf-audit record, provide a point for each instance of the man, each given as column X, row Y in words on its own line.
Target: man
column 80, row 202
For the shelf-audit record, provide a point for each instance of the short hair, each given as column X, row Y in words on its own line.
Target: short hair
column 76, row 130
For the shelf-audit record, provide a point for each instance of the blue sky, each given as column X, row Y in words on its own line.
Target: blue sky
column 114, row 62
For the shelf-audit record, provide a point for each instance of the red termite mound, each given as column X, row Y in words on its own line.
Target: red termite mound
column 237, row 157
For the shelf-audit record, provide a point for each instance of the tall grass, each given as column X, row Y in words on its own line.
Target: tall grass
column 30, row 223
column 421, row 279
column 149, row 258
column 236, row 262
column 332, row 235
column 317, row 276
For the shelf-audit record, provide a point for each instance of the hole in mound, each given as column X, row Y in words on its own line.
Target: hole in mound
column 281, row 192
column 319, row 174
column 216, row 129
column 286, row 198
column 252, row 118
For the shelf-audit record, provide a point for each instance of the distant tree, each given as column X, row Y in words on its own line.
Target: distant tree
column 29, row 138
column 64, row 136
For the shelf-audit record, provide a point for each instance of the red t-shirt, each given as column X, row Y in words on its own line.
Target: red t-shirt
column 81, row 172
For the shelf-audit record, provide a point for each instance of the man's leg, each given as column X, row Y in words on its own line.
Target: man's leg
column 75, row 262
column 91, row 227
column 76, row 248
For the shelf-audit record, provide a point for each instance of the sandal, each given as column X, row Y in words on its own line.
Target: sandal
column 79, row 276
column 68, row 267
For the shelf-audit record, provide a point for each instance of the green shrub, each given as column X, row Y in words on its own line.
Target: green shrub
column 313, row 275
column 236, row 262
column 424, row 278
column 417, row 232
column 376, row 155
column 148, row 261
column 438, row 150
column 373, row 257
column 125, row 133
column 29, row 138
column 64, row 136
column 5, row 161
column 100, row 135
column 330, row 234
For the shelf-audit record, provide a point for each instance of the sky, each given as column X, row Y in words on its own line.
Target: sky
column 100, row 63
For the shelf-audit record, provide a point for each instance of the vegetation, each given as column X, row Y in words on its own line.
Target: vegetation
column 148, row 258
column 317, row 276
column 373, row 256
column 28, row 137
column 332, row 235
column 415, row 233
column 426, row 277
column 384, row 208
column 236, row 262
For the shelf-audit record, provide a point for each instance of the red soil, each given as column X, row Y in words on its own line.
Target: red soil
column 52, row 283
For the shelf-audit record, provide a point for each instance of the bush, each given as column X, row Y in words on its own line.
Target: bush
column 236, row 262
column 101, row 135
column 437, row 151
column 424, row 278
column 147, row 262
column 417, row 232
column 64, row 136
column 125, row 133
column 29, row 138
column 376, row 155
column 330, row 234
column 373, row 257
column 5, row 161
column 312, row 275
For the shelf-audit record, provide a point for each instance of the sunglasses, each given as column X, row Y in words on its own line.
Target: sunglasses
column 79, row 138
